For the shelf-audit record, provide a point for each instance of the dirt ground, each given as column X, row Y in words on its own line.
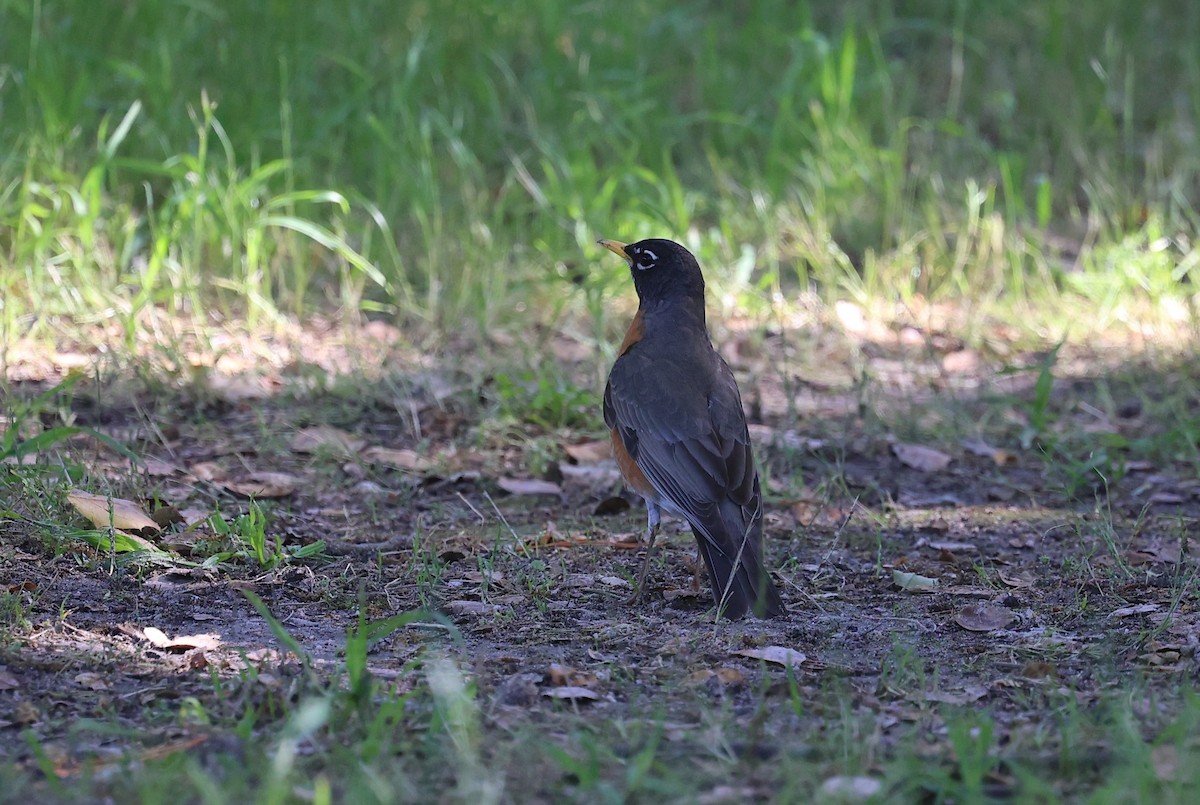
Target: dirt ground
column 950, row 539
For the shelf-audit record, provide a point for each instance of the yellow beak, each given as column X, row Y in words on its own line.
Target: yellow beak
column 617, row 248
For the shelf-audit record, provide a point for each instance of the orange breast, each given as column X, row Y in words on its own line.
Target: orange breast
column 632, row 473
column 634, row 334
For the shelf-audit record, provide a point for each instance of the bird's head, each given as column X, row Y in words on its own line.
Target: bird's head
column 662, row 269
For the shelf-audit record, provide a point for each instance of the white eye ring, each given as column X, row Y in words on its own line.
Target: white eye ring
column 653, row 259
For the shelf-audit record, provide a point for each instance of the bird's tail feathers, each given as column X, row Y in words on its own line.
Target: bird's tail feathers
column 734, row 558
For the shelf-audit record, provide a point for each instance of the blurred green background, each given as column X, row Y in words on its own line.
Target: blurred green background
column 451, row 163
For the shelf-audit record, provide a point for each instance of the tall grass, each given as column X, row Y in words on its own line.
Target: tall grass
column 452, row 162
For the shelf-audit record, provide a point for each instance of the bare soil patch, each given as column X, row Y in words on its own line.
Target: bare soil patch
column 948, row 544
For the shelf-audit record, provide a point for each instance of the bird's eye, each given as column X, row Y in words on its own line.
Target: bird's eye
column 645, row 259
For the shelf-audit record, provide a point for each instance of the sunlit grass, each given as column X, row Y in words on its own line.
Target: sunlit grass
column 450, row 164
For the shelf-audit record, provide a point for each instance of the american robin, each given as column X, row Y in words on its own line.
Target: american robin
column 679, row 432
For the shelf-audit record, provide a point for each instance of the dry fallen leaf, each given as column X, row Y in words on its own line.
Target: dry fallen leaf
column 103, row 512
column 590, row 452
column 326, row 437
column 1163, row 657
column 728, row 794
column 913, row 582
column 730, row 676
column 158, row 638
column 158, row 468
column 965, row 696
column 788, row 439
column 780, row 655
column 269, row 680
column 685, row 593
column 1168, row 553
column 724, row 675
column 1038, row 669
column 566, row 676
column 28, row 459
column 402, row 458
column 981, row 448
column 961, row 361
column 528, row 486
column 264, row 484
column 950, row 546
column 1137, row 609
column 1164, row 758
column 167, row 516
column 919, row 457
column 602, row 475
column 968, row 591
column 1018, row 580
column 984, row 617
column 241, row 387
column 25, row 712
column 92, row 681
column 1002, row 457
column 850, row 789
column 208, row 471
column 471, row 608
column 572, row 692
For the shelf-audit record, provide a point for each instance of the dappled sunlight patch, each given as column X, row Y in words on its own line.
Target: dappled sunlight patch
column 236, row 358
